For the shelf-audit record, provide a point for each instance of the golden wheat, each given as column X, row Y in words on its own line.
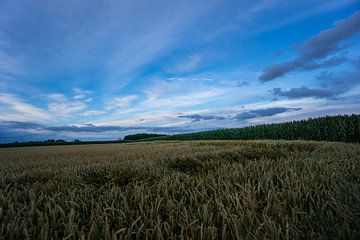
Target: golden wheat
column 181, row 190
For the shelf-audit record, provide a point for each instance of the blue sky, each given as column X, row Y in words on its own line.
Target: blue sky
column 96, row 70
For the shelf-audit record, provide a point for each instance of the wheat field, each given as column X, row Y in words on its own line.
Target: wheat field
column 181, row 190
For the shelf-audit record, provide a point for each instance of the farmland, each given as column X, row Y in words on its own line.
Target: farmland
column 176, row 190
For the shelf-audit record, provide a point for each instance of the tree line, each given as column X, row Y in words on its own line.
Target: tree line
column 342, row 128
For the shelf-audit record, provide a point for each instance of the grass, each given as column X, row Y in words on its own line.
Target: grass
column 181, row 190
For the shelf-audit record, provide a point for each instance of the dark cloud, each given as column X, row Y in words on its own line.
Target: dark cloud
column 88, row 128
column 21, row 125
column 11, row 131
column 302, row 92
column 263, row 113
column 327, row 41
column 278, row 70
column 242, row 116
column 199, row 117
column 71, row 128
column 331, row 62
column 313, row 53
column 331, row 86
column 21, row 131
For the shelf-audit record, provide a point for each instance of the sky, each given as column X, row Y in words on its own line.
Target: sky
column 100, row 70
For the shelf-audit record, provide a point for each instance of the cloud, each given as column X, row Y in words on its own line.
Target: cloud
column 121, row 102
column 87, row 128
column 327, row 41
column 71, row 128
column 278, row 70
column 181, row 100
column 115, row 45
column 11, row 131
column 333, row 84
column 188, row 65
column 60, row 106
column 163, row 23
column 239, row 116
column 243, row 116
column 199, row 117
column 303, row 92
column 80, row 94
column 13, row 108
column 263, row 113
column 54, row 107
column 125, row 101
column 313, row 53
column 173, row 93
column 93, row 113
column 90, row 128
column 340, row 82
column 20, row 125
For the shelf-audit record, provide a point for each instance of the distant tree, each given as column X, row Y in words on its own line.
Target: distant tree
column 77, row 141
column 140, row 136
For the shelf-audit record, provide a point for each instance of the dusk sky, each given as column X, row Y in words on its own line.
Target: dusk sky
column 99, row 70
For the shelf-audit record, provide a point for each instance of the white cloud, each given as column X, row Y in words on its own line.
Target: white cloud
column 93, row 113
column 121, row 102
column 125, row 101
column 190, row 63
column 162, row 101
column 15, row 109
column 62, row 107
column 80, row 94
column 181, row 100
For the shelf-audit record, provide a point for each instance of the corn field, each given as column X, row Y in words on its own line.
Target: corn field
column 181, row 190
column 344, row 128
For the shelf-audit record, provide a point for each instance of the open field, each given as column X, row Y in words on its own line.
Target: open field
column 168, row 190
